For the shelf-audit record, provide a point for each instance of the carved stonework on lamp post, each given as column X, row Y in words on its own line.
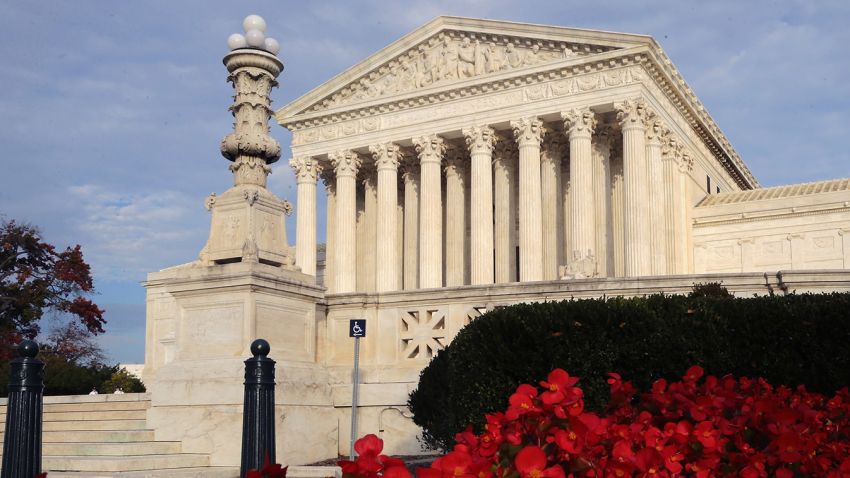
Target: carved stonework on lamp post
column 248, row 221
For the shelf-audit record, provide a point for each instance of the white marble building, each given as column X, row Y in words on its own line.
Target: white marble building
column 470, row 164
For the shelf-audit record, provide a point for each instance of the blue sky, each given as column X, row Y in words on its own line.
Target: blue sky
column 111, row 113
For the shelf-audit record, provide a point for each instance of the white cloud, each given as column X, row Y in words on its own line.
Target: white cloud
column 127, row 235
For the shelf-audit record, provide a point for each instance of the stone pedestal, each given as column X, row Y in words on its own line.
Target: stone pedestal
column 200, row 323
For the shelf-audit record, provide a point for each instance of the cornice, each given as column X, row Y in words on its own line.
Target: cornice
column 647, row 53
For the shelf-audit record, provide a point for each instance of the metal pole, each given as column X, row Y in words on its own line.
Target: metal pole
column 354, row 396
column 258, row 441
column 22, row 441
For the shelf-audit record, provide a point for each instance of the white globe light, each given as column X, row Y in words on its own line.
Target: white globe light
column 236, row 41
column 255, row 39
column 254, row 22
column 272, row 46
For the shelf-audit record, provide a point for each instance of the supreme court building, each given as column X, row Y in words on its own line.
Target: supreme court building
column 470, row 164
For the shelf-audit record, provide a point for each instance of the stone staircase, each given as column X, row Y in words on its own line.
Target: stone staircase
column 105, row 436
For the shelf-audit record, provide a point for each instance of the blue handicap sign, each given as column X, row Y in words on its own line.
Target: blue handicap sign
column 357, row 328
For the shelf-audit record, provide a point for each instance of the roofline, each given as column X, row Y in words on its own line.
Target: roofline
column 424, row 32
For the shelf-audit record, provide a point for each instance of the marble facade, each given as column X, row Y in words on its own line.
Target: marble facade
column 469, row 165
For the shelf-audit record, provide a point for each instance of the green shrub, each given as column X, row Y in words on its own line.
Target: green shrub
column 796, row 339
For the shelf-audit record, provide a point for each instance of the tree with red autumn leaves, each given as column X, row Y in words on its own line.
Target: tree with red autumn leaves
column 34, row 278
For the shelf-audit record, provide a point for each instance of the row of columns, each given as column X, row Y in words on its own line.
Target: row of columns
column 646, row 240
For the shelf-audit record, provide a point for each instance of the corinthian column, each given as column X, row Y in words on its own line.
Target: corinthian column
column 529, row 134
column 346, row 164
column 655, row 173
column 601, row 145
column 634, row 116
column 504, row 243
column 455, row 216
column 411, row 223
column 329, row 180
column 553, row 213
column 307, row 172
column 579, row 124
column 386, row 160
column 480, row 140
column 430, row 150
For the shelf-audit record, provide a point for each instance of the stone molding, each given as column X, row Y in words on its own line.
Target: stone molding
column 386, row 155
column 480, row 139
column 579, row 122
column 345, row 163
column 658, row 73
column 528, row 131
column 430, row 148
column 307, row 168
column 634, row 113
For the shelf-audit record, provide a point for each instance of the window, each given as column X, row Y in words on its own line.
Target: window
column 708, row 185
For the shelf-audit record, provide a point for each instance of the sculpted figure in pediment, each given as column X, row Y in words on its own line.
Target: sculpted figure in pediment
column 495, row 58
column 409, row 77
column 513, row 56
column 531, row 56
column 451, row 58
column 431, row 68
column 480, row 58
column 466, row 59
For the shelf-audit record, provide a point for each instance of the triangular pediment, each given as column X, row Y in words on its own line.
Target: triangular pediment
column 450, row 50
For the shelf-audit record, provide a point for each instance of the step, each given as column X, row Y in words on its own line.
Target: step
column 205, row 472
column 96, row 407
column 95, row 415
column 111, row 449
column 123, row 463
column 108, row 436
column 94, row 425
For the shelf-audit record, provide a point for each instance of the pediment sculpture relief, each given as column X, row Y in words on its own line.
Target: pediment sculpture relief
column 451, row 57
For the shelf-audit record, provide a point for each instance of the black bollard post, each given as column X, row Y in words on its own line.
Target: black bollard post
column 22, row 441
column 258, row 409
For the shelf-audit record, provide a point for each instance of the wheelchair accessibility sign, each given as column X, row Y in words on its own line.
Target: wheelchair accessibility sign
column 357, row 328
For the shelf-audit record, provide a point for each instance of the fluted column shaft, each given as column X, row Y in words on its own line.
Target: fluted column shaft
column 633, row 117
column 601, row 146
column 411, row 225
column 480, row 140
column 671, row 206
column 386, row 160
column 658, row 244
column 529, row 134
column 330, row 232
column 368, row 225
column 307, row 172
column 346, row 164
column 618, row 240
column 550, row 181
column 455, row 217
column 579, row 124
column 503, row 186
column 430, row 150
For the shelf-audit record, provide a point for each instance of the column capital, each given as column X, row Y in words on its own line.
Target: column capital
column 633, row 113
column 456, row 161
column 307, row 169
column 655, row 132
column 429, row 148
column 504, row 148
column 671, row 147
column 603, row 137
column 579, row 122
column 479, row 139
column 345, row 163
column 386, row 155
column 555, row 144
column 528, row 131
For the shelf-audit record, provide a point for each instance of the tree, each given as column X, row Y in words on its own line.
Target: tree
column 34, row 278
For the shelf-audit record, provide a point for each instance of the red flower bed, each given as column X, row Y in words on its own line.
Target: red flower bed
column 716, row 427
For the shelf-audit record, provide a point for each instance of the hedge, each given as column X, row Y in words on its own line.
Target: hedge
column 790, row 340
